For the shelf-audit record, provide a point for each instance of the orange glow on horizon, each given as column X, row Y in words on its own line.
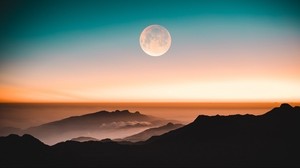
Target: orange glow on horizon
column 184, row 91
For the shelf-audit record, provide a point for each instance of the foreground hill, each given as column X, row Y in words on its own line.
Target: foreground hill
column 238, row 140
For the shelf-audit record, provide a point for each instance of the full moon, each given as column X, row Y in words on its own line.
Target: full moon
column 155, row 40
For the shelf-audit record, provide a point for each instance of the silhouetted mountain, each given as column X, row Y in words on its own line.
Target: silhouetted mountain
column 210, row 128
column 84, row 139
column 237, row 140
column 144, row 135
column 26, row 140
column 22, row 150
column 100, row 125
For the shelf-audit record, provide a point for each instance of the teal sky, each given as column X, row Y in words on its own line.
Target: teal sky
column 60, row 48
column 38, row 20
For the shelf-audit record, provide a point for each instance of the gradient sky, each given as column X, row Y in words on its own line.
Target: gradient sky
column 82, row 51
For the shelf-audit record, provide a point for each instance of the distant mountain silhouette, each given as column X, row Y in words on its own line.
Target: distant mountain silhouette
column 84, row 139
column 100, row 125
column 236, row 141
column 144, row 135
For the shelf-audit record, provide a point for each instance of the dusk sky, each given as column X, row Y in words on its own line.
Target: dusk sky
column 89, row 51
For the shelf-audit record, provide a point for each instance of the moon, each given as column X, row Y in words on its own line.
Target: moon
column 155, row 40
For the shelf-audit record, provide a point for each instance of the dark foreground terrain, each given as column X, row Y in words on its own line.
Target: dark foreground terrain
column 271, row 139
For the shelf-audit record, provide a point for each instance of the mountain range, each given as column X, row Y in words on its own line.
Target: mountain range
column 142, row 136
column 265, row 140
column 98, row 125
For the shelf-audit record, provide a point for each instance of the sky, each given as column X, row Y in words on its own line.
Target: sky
column 89, row 51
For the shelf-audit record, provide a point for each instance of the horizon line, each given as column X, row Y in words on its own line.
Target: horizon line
column 125, row 102
column 194, row 104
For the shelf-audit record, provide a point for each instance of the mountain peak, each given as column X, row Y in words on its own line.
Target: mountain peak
column 170, row 124
column 104, row 112
column 282, row 110
column 121, row 111
column 201, row 117
column 26, row 139
column 285, row 106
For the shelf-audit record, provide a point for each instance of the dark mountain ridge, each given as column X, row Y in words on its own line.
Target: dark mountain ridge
column 270, row 139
